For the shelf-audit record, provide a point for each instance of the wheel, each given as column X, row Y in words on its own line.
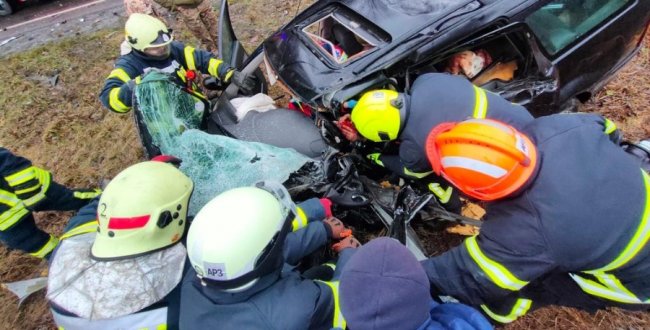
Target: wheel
column 5, row 8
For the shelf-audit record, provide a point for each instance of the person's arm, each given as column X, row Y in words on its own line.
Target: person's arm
column 305, row 241
column 204, row 61
column 117, row 93
column 508, row 254
column 85, row 221
column 311, row 210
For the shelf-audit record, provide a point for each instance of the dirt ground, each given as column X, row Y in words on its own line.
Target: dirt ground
column 49, row 112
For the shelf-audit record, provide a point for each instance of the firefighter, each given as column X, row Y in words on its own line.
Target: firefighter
column 386, row 115
column 383, row 286
column 119, row 263
column 197, row 15
column 25, row 188
column 154, row 49
column 242, row 253
column 567, row 216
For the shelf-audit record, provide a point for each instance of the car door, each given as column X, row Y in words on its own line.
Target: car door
column 232, row 52
column 588, row 40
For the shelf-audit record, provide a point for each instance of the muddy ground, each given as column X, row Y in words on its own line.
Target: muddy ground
column 49, row 112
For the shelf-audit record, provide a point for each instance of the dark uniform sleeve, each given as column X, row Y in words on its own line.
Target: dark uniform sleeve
column 303, row 242
column 204, row 61
column 510, row 252
column 116, row 95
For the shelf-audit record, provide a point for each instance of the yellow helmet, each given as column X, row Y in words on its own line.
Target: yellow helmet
column 142, row 210
column 378, row 115
column 144, row 31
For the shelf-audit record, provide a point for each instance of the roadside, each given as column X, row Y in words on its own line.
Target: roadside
column 49, row 22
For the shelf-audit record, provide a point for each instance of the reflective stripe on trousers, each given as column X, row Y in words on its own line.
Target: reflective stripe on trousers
column 520, row 308
column 16, row 210
column 46, row 248
column 150, row 320
column 338, row 322
column 608, row 286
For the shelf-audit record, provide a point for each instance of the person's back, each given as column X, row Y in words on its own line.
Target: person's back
column 119, row 264
column 588, row 185
column 567, row 225
column 437, row 98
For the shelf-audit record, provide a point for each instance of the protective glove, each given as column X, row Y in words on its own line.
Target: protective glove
column 374, row 158
column 336, row 229
column 346, row 126
column 168, row 159
column 246, row 82
column 348, row 242
column 327, row 206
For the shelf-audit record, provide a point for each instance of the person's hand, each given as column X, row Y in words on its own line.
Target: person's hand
column 336, row 229
column 348, row 242
column 346, row 126
column 133, row 82
column 246, row 82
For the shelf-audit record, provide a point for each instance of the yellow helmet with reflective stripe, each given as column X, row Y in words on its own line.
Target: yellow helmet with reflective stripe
column 144, row 31
column 377, row 115
column 142, row 210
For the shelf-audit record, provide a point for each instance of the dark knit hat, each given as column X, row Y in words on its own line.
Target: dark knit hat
column 383, row 286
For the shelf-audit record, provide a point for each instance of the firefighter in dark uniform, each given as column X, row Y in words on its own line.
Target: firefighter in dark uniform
column 244, row 254
column 25, row 188
column 567, row 216
column 153, row 48
column 385, row 115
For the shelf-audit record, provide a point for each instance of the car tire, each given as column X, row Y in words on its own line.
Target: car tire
column 5, row 8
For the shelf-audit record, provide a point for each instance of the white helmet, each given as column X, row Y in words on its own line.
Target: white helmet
column 142, row 210
column 238, row 236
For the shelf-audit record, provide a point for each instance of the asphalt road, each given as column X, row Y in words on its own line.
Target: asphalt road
column 41, row 22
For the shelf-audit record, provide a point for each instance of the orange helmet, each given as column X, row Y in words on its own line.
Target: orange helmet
column 485, row 159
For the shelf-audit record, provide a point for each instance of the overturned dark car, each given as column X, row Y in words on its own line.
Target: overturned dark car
column 543, row 54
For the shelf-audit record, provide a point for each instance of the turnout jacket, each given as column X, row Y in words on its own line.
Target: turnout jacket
column 585, row 212
column 436, row 98
column 280, row 300
column 25, row 188
column 117, row 95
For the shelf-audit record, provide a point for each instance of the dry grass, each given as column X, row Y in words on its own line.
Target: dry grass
column 65, row 129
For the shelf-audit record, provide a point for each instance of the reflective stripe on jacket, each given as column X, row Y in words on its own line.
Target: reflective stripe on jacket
column 585, row 213
column 117, row 96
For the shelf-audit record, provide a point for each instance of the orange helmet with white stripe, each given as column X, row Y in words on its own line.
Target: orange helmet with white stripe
column 485, row 159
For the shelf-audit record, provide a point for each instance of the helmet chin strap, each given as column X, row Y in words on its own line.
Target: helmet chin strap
column 404, row 111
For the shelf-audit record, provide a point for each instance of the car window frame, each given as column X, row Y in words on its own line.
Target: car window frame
column 562, row 51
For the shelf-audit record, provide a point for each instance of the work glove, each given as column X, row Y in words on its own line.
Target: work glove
column 374, row 158
column 327, row 206
column 346, row 126
column 168, row 159
column 348, row 242
column 336, row 229
column 246, row 82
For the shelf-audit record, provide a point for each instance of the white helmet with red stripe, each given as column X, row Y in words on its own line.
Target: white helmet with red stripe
column 142, row 210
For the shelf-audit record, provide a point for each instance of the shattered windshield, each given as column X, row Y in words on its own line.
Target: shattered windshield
column 215, row 163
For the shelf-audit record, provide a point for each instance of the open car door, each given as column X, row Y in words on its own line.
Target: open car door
column 232, row 52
